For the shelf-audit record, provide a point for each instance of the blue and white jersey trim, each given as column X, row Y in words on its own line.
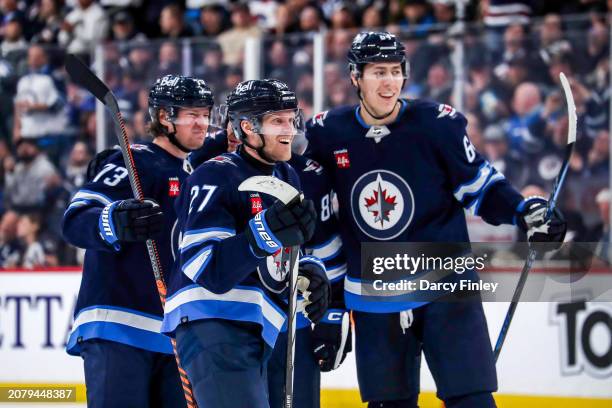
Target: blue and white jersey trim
column 242, row 303
column 200, row 236
column 194, row 267
column 120, row 325
column 474, row 186
column 92, row 196
column 327, row 250
column 383, row 303
column 337, row 272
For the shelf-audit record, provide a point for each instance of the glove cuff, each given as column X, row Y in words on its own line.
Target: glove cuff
column 261, row 234
column 106, row 226
column 333, row 316
column 522, row 209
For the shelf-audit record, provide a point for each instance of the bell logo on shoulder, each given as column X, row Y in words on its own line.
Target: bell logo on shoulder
column 342, row 158
column 256, row 204
column 174, row 187
column 446, row 110
column 382, row 204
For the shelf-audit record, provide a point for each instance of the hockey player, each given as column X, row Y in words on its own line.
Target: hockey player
column 323, row 347
column 128, row 362
column 226, row 304
column 405, row 170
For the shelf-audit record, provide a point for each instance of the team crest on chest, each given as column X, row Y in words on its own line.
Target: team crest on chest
column 382, row 204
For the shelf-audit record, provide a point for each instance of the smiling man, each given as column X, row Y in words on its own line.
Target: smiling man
column 226, row 305
column 405, row 171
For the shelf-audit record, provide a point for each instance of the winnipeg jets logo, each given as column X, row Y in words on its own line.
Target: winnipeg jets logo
column 271, row 274
column 382, row 204
column 312, row 165
column 319, row 118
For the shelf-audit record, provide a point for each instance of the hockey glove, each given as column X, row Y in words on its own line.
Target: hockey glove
column 281, row 226
column 332, row 339
column 314, row 287
column 532, row 220
column 130, row 220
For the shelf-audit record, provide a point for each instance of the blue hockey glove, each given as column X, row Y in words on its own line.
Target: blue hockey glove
column 332, row 339
column 130, row 220
column 315, row 288
column 281, row 226
column 532, row 220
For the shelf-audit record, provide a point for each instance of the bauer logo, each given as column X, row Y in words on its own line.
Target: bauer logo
column 382, row 204
column 585, row 337
column 342, row 159
column 263, row 234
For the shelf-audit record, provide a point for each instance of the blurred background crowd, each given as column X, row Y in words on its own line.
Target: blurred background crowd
column 510, row 92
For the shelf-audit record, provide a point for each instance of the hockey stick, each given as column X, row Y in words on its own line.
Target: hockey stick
column 84, row 77
column 285, row 193
column 552, row 202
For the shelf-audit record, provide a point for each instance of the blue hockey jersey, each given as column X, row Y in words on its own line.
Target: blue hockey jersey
column 118, row 299
column 409, row 181
column 216, row 274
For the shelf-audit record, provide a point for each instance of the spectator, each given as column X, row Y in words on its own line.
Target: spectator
column 443, row 11
column 439, row 84
column 14, row 45
column 30, row 184
column 311, row 19
column 10, row 248
column 232, row 41
column 339, row 42
column 550, row 30
column 416, row 17
column 84, row 27
column 285, row 22
column 76, row 168
column 343, row 17
column 140, row 60
column 601, row 232
column 34, row 253
column 48, row 22
column 526, row 104
column 39, row 107
column 140, row 122
column 598, row 157
column 278, row 62
column 123, row 28
column 372, row 18
column 168, row 59
column 213, row 20
column 172, row 24
column 212, row 67
column 502, row 158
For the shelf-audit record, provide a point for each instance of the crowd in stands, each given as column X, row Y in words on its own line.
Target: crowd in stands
column 512, row 96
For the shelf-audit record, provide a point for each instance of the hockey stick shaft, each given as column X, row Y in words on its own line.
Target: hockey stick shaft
column 291, row 325
column 83, row 76
column 551, row 205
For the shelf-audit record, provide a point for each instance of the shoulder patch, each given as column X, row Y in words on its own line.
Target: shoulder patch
column 140, row 147
column 446, row 110
column 319, row 118
column 312, row 165
column 222, row 160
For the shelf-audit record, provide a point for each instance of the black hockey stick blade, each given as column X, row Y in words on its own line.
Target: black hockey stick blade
column 84, row 77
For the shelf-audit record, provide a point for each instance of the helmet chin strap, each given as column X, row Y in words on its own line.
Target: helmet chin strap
column 260, row 150
column 365, row 105
column 172, row 137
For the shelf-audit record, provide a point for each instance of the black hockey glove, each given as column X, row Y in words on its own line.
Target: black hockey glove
column 314, row 287
column 130, row 221
column 532, row 220
column 332, row 339
column 281, row 226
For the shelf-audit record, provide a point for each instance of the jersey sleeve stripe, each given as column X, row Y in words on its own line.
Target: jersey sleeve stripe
column 474, row 186
column 194, row 267
column 92, row 195
column 76, row 204
column 327, row 250
column 337, row 272
column 475, row 207
column 200, row 236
